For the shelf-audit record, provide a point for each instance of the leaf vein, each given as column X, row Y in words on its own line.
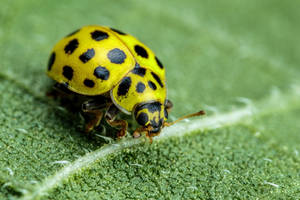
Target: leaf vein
column 277, row 102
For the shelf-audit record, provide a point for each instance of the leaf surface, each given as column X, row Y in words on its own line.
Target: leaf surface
column 236, row 60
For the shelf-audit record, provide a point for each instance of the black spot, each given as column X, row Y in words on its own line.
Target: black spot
column 140, row 87
column 89, row 83
column 157, row 79
column 124, row 86
column 142, row 118
column 99, row 35
column 159, row 63
column 102, row 73
column 152, row 85
column 70, row 48
column 73, row 33
column 141, row 51
column 51, row 61
column 86, row 56
column 68, row 72
column 139, row 70
column 116, row 56
column 117, row 31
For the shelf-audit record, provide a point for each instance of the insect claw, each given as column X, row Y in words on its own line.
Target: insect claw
column 149, row 137
column 167, row 124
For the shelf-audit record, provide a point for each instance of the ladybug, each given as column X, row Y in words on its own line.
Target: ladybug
column 112, row 72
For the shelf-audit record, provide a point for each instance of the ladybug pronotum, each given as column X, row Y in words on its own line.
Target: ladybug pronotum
column 113, row 72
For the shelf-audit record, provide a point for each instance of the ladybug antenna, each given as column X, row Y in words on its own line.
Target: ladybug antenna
column 201, row 112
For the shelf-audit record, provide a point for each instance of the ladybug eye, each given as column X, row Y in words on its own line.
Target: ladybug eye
column 142, row 118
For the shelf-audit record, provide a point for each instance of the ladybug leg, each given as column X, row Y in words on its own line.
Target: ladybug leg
column 93, row 112
column 95, row 104
column 137, row 133
column 110, row 117
column 62, row 88
column 59, row 90
column 151, row 135
column 68, row 99
column 93, row 120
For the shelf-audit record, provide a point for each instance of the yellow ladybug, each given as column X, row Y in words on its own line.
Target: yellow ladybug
column 112, row 71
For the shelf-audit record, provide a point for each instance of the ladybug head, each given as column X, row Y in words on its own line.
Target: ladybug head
column 151, row 116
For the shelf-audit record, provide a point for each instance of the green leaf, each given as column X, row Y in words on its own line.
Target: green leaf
column 237, row 60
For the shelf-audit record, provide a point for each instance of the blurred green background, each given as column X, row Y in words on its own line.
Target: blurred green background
column 218, row 55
